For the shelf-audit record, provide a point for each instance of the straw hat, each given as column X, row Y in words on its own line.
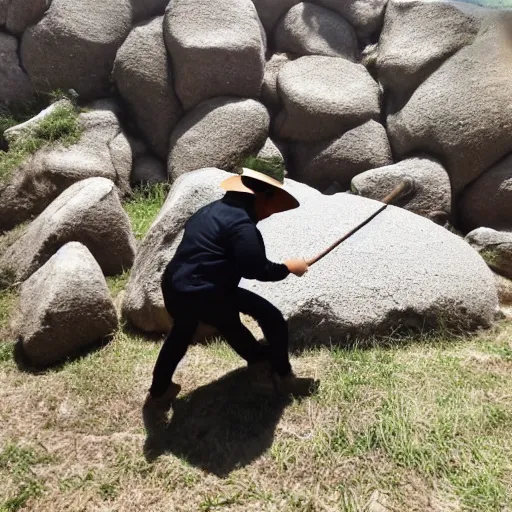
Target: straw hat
column 266, row 173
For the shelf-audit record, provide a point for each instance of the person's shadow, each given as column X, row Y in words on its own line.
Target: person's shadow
column 219, row 427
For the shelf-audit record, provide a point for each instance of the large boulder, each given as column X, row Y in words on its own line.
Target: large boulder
column 143, row 304
column 217, row 133
column 338, row 160
column 217, row 49
column 24, row 13
column 102, row 151
column 488, row 201
column 64, row 307
column 269, row 95
column 399, row 271
column 14, row 83
column 432, row 195
column 270, row 11
column 323, row 97
column 495, row 247
column 462, row 113
column 88, row 212
column 417, row 38
column 308, row 29
column 365, row 15
column 75, row 44
column 143, row 77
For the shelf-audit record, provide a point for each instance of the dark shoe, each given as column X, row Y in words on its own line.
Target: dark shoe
column 164, row 402
column 295, row 386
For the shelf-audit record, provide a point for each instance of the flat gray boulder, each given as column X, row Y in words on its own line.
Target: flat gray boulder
column 102, row 151
column 461, row 114
column 488, row 201
column 323, row 97
column 88, row 212
column 64, row 307
column 270, row 151
column 432, row 197
column 308, row 29
column 148, row 170
column 143, row 77
column 75, row 44
column 338, row 160
column 399, row 271
column 143, row 304
column 217, row 49
column 364, row 15
column 495, row 247
column 14, row 82
column 417, row 38
column 217, row 133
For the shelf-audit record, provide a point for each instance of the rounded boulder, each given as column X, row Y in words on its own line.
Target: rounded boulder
column 399, row 271
column 323, row 97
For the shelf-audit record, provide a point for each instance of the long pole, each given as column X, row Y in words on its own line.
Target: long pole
column 406, row 187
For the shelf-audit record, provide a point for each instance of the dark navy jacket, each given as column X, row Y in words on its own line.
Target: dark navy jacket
column 221, row 245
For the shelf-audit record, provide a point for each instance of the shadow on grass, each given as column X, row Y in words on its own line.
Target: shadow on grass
column 219, row 427
column 25, row 365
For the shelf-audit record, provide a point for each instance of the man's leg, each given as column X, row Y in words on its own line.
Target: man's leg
column 225, row 317
column 273, row 325
column 171, row 353
column 275, row 329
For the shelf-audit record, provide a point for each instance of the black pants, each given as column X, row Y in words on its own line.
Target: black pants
column 223, row 313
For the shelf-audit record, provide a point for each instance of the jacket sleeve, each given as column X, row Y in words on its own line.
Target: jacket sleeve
column 246, row 247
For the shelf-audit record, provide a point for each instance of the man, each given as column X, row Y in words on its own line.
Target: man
column 221, row 245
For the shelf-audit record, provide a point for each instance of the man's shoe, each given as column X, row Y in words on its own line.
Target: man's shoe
column 295, row 386
column 164, row 402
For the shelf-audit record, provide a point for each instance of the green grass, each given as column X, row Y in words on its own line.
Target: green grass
column 424, row 422
column 144, row 205
column 60, row 126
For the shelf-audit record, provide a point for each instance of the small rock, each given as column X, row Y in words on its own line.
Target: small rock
column 432, row 193
column 64, row 307
column 488, row 200
column 495, row 247
column 269, row 95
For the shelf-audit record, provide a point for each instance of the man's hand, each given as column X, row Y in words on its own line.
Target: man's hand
column 297, row 266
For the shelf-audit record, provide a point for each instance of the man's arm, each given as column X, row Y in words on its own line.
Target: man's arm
column 247, row 249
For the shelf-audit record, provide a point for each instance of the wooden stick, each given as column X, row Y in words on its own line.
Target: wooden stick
column 405, row 187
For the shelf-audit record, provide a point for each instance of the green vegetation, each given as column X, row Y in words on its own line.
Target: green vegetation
column 60, row 126
column 144, row 205
column 273, row 167
column 424, row 421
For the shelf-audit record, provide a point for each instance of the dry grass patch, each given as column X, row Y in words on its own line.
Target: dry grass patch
column 420, row 426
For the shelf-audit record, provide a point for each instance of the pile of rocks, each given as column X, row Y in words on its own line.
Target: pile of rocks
column 351, row 95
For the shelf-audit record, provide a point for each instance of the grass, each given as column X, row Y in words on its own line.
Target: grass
column 424, row 426
column 421, row 424
column 60, row 126
column 144, row 205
